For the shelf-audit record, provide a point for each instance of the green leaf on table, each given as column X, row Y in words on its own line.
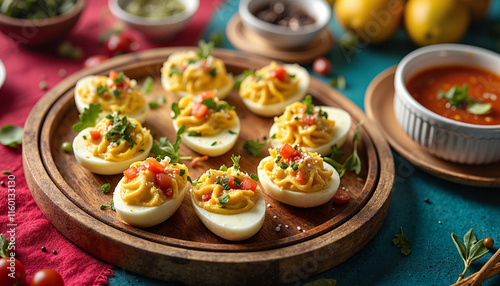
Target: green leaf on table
column 147, row 86
column 240, row 78
column 157, row 102
column 255, row 147
column 88, row 117
column 11, row 135
column 163, row 147
column 401, row 241
column 4, row 246
column 470, row 250
column 322, row 282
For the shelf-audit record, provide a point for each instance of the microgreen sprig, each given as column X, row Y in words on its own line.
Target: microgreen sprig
column 353, row 162
column 255, row 147
column 470, row 250
column 163, row 147
column 88, row 117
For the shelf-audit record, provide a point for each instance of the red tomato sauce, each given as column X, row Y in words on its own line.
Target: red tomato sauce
column 484, row 86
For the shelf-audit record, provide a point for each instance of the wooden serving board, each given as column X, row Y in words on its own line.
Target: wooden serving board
column 182, row 249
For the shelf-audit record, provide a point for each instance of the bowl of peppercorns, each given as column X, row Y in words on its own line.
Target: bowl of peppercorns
column 285, row 24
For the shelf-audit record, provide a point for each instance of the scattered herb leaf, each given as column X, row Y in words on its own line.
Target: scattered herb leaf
column 224, row 198
column 194, row 134
column 401, row 241
column 11, row 135
column 255, row 147
column 459, row 96
column 157, row 102
column 147, row 86
column 6, row 172
column 470, row 250
column 111, row 206
column 308, row 103
column 88, row 117
column 353, row 162
column 176, row 110
column 164, row 148
column 121, row 129
column 338, row 82
column 106, row 188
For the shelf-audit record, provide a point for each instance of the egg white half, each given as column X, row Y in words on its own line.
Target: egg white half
column 146, row 216
column 299, row 199
column 278, row 108
column 203, row 144
column 139, row 115
column 221, row 92
column 101, row 166
column 235, row 227
column 341, row 129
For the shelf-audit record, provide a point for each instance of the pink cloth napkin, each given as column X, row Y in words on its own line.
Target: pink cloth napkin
column 26, row 68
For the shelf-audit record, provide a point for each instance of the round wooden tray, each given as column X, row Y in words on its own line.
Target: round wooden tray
column 182, row 249
column 379, row 100
column 250, row 42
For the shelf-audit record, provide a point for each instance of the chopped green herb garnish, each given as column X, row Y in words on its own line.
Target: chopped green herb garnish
column 213, row 143
column 174, row 70
column 283, row 165
column 205, row 49
column 84, row 137
column 157, row 102
column 88, row 117
column 106, row 188
column 119, row 79
column 116, row 92
column 459, row 96
column 254, row 177
column 323, row 113
column 210, row 103
column 194, row 134
column 147, row 86
column 232, row 132
column 255, row 147
column 176, row 110
column 121, row 129
column 308, row 103
column 101, row 89
column 294, row 166
column 224, row 198
column 213, row 72
column 111, row 206
column 241, row 77
column 278, row 159
column 182, row 172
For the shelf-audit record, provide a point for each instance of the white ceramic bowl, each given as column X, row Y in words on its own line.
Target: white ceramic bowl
column 280, row 36
column 155, row 29
column 446, row 138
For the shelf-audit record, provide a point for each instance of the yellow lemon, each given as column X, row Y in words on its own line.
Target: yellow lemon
column 430, row 22
column 477, row 8
column 374, row 21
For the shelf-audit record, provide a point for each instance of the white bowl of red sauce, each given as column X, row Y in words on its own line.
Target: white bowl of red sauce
column 447, row 99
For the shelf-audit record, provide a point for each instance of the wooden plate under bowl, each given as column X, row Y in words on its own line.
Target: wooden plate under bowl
column 182, row 249
column 379, row 100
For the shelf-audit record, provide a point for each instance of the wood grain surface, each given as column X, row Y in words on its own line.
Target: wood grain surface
column 182, row 249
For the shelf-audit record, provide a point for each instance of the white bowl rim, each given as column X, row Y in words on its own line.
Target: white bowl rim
column 121, row 13
column 307, row 29
column 437, row 48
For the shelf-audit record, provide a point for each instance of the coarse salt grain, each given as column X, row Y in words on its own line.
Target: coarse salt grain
column 278, row 228
column 268, row 205
column 275, row 217
column 298, row 227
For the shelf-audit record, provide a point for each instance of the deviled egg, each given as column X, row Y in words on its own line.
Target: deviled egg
column 114, row 92
column 112, row 145
column 187, row 73
column 297, row 177
column 270, row 89
column 315, row 128
column 212, row 125
column 229, row 202
column 150, row 192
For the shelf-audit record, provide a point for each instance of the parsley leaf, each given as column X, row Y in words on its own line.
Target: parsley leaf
column 164, row 148
column 254, row 177
column 470, row 250
column 88, row 117
column 255, row 147
column 157, row 102
column 236, row 161
column 308, row 103
column 101, row 89
column 174, row 70
column 176, row 110
column 223, row 168
column 209, row 103
column 11, row 135
column 240, row 78
column 213, row 72
column 283, row 165
column 111, row 206
column 106, row 188
column 401, row 241
column 459, row 96
column 147, row 86
column 205, row 49
column 121, row 129
column 224, row 198
column 353, row 162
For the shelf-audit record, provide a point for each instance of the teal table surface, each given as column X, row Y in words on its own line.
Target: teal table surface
column 451, row 208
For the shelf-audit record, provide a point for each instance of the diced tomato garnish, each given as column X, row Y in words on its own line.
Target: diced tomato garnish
column 154, row 166
column 231, row 184
column 169, row 192
column 279, row 73
column 95, row 135
column 131, row 173
column 197, row 160
column 286, row 151
column 113, row 75
column 299, row 176
column 207, row 94
column 308, row 119
column 341, row 197
column 199, row 110
column 248, row 184
column 206, row 198
column 176, row 172
column 162, row 181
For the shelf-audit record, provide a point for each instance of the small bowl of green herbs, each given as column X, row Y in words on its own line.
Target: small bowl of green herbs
column 156, row 20
column 39, row 22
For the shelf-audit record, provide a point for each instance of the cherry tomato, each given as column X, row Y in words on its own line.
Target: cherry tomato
column 7, row 268
column 322, row 66
column 94, row 60
column 341, row 197
column 118, row 44
column 46, row 277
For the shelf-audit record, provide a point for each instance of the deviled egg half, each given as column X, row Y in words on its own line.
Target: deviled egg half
column 212, row 125
column 297, row 177
column 315, row 128
column 187, row 73
column 114, row 92
column 150, row 192
column 112, row 145
column 229, row 202
column 267, row 91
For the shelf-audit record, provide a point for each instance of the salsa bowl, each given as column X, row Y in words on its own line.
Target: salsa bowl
column 443, row 137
